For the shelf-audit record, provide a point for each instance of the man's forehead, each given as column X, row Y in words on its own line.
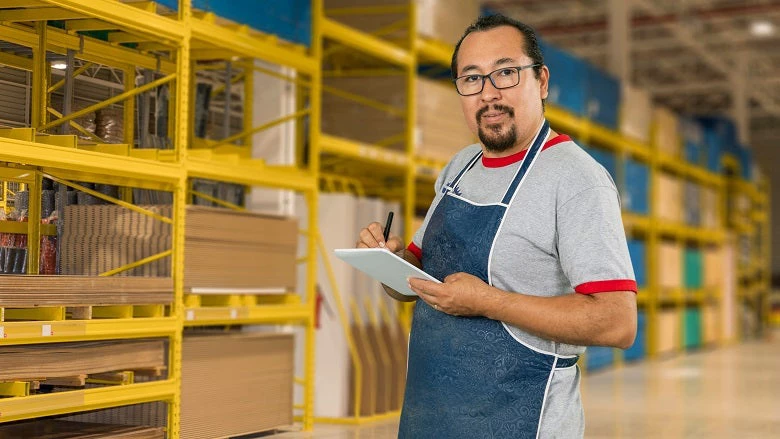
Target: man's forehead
column 487, row 48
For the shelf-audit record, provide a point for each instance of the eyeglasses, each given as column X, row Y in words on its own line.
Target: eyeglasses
column 505, row 77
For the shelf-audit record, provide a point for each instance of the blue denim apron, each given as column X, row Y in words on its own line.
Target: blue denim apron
column 467, row 376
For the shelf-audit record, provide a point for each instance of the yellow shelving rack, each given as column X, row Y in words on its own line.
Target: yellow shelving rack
column 186, row 36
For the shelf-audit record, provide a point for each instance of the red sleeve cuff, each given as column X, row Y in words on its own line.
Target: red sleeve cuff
column 605, row 286
column 416, row 251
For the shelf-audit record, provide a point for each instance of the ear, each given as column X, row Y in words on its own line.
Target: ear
column 544, row 82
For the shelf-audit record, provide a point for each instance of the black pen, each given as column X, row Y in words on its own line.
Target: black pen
column 388, row 224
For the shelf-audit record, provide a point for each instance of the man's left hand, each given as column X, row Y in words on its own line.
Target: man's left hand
column 461, row 294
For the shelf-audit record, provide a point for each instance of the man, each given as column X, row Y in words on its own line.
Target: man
column 526, row 234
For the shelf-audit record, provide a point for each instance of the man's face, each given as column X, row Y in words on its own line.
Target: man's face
column 501, row 118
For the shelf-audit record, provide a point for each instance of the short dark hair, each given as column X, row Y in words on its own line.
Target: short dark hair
column 493, row 21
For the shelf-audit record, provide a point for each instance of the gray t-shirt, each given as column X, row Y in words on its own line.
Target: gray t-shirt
column 563, row 232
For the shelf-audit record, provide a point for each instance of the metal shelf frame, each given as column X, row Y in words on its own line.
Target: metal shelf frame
column 186, row 36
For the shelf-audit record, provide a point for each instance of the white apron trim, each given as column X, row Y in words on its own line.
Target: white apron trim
column 544, row 400
column 535, row 349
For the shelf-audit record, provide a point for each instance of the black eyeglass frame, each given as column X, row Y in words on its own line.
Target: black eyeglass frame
column 489, row 76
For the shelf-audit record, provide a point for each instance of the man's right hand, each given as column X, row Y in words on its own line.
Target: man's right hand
column 373, row 236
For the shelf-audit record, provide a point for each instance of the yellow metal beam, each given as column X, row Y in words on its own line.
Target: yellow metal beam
column 250, row 173
column 15, row 61
column 87, row 162
column 128, row 17
column 434, row 51
column 76, row 73
column 266, row 49
column 265, row 126
column 365, row 43
column 138, row 263
column 38, row 14
column 218, row 201
column 58, row 403
column 381, row 106
column 368, row 10
column 93, row 50
column 76, row 126
column 113, row 100
column 90, row 24
column 363, row 152
column 28, row 332
column 10, row 4
column 127, row 37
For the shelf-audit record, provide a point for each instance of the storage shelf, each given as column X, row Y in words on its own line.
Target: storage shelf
column 36, row 406
column 250, row 172
column 366, row 43
column 361, row 152
column 690, row 233
column 22, row 228
column 79, row 163
column 434, row 51
column 247, row 315
column 56, row 331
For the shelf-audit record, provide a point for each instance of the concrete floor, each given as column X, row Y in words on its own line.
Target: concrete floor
column 731, row 392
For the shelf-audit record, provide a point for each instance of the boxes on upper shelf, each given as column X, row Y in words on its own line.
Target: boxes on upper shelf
column 669, row 198
column 693, row 141
column 713, row 267
column 636, row 112
column 606, row 159
column 636, row 191
column 709, row 324
column 441, row 130
column 568, row 83
column 692, row 204
column 603, row 91
column 637, row 250
column 667, row 133
column 709, row 208
column 720, row 137
column 445, row 20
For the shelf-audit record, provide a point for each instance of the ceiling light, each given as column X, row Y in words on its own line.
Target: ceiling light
column 59, row 65
column 762, row 28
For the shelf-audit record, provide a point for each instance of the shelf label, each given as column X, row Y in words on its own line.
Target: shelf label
column 46, row 331
column 190, row 315
column 233, row 313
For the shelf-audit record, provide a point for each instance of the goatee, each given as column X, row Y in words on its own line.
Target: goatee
column 491, row 135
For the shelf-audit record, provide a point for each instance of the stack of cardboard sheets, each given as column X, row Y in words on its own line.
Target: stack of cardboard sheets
column 31, row 291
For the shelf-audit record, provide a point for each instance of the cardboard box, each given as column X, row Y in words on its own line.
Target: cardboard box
column 709, row 323
column 710, row 213
column 669, row 265
column 669, row 198
column 445, row 20
column 236, row 384
column 668, row 331
column 713, row 268
column 223, row 248
column 636, row 112
column 440, row 128
column 667, row 132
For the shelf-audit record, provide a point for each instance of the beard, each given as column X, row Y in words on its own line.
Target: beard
column 495, row 138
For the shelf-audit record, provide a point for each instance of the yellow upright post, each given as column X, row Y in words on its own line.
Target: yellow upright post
column 34, row 225
column 312, row 198
column 651, row 255
column 181, row 138
column 39, row 74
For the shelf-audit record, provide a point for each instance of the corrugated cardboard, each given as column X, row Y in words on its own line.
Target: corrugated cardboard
column 57, row 429
column 669, row 265
column 669, row 198
column 636, row 112
column 667, row 134
column 713, row 268
column 440, row 129
column 709, row 319
column 223, row 248
column 668, row 331
column 236, row 384
column 445, row 20
column 368, row 373
column 710, row 217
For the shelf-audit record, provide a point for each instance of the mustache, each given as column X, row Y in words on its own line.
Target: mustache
column 495, row 107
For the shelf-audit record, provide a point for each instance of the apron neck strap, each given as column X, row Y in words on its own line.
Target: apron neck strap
column 527, row 162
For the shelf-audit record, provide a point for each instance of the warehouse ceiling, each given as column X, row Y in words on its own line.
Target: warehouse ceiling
column 688, row 53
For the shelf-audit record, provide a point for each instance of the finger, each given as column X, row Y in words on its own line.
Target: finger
column 395, row 244
column 377, row 231
column 367, row 238
column 427, row 287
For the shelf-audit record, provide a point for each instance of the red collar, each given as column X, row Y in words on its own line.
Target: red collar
column 498, row 162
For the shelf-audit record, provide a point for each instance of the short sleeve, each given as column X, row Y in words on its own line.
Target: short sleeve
column 592, row 242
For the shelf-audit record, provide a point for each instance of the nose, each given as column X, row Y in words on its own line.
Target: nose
column 489, row 92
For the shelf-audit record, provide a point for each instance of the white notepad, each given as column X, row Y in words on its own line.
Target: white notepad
column 384, row 266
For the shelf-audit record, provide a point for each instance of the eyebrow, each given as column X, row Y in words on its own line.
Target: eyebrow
column 497, row 63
